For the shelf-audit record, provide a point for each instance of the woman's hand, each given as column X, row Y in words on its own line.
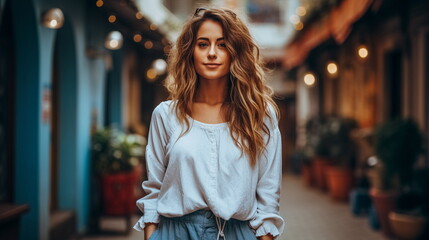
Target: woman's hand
column 266, row 237
column 149, row 229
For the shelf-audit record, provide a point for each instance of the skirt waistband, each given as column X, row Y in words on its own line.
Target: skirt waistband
column 201, row 216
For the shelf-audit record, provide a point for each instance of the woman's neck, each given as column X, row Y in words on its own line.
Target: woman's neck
column 212, row 92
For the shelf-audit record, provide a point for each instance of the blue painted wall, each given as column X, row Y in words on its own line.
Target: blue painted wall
column 66, row 55
column 81, row 95
column 28, row 123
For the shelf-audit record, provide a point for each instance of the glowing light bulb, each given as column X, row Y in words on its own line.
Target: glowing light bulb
column 148, row 44
column 139, row 15
column 53, row 18
column 299, row 26
column 99, row 3
column 113, row 43
column 137, row 37
column 332, row 68
column 114, row 40
column 160, row 66
column 363, row 52
column 294, row 19
column 151, row 74
column 301, row 11
column 112, row 18
column 153, row 27
column 372, row 161
column 309, row 79
column 53, row 23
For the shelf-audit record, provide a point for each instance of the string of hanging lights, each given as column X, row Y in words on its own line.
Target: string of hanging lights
column 114, row 41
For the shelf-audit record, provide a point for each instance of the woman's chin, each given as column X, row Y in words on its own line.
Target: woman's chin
column 213, row 76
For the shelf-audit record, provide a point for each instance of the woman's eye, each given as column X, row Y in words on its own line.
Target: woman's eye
column 222, row 45
column 202, row 44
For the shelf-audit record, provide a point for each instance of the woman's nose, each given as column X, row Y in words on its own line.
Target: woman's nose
column 212, row 52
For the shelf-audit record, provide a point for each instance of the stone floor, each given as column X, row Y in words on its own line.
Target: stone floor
column 309, row 213
column 312, row 215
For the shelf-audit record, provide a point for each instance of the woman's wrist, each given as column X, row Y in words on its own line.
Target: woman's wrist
column 266, row 237
column 149, row 229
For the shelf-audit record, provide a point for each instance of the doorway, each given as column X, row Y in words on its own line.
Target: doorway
column 107, row 99
column 287, row 126
column 393, row 80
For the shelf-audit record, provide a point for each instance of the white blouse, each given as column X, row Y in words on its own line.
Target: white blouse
column 204, row 169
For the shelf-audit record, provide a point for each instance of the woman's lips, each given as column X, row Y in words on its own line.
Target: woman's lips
column 212, row 65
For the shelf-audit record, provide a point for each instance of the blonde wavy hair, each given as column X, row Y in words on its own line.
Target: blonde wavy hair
column 249, row 98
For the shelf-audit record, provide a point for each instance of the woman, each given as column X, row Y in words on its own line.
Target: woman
column 214, row 150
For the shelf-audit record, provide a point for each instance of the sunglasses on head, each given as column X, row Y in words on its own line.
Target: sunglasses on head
column 199, row 11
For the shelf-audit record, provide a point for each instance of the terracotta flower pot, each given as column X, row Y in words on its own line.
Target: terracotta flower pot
column 307, row 175
column 340, row 182
column 384, row 203
column 320, row 165
column 118, row 193
column 407, row 227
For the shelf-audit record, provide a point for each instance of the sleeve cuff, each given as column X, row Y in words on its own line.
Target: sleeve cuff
column 148, row 217
column 267, row 228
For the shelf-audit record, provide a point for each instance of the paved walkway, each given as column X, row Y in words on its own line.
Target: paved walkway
column 309, row 213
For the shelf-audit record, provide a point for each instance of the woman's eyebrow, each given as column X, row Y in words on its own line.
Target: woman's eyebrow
column 207, row 39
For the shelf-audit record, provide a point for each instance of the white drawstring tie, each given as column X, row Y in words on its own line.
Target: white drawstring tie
column 220, row 228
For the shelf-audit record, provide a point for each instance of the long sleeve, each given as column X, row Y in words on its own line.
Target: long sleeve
column 267, row 219
column 156, row 165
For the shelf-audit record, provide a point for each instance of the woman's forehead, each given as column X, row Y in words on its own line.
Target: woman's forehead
column 210, row 29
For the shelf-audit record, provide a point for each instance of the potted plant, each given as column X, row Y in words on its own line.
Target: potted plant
column 409, row 219
column 329, row 143
column 316, row 150
column 342, row 152
column 398, row 144
column 306, row 166
column 116, row 157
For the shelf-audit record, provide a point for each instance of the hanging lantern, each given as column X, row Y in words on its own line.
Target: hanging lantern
column 114, row 40
column 53, row 18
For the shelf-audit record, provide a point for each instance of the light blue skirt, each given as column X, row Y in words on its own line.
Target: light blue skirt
column 201, row 225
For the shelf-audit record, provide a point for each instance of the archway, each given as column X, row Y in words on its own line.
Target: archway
column 63, row 157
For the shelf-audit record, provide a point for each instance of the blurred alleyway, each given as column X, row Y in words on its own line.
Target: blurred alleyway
column 309, row 214
column 351, row 79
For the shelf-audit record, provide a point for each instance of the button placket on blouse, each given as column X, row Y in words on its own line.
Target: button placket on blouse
column 212, row 165
column 215, row 162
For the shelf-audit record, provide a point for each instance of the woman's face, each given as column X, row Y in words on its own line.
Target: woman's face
column 211, row 58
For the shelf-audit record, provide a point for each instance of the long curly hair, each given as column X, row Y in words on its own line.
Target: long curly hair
column 247, row 104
